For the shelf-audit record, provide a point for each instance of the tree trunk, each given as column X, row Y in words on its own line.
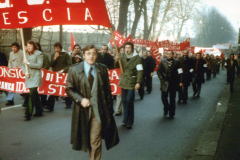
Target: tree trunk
column 146, row 26
column 138, row 12
column 123, row 11
column 180, row 31
column 27, row 34
column 169, row 4
column 156, row 9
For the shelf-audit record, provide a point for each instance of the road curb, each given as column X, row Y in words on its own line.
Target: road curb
column 208, row 143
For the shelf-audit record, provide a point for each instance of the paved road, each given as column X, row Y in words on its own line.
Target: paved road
column 152, row 137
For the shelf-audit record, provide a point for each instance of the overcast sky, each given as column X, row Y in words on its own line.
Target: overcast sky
column 230, row 8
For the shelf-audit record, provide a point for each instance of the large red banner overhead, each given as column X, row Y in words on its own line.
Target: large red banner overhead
column 33, row 13
column 53, row 83
column 156, row 54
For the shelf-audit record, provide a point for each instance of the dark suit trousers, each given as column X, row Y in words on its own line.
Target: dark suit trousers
column 209, row 73
column 43, row 100
column 51, row 101
column 141, row 90
column 197, row 87
column 33, row 101
column 148, row 82
column 169, row 107
column 183, row 93
column 128, row 97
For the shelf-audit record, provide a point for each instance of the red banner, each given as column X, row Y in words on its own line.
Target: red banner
column 156, row 54
column 53, row 83
column 33, row 13
column 120, row 40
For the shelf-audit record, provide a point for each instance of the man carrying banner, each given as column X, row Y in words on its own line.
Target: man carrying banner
column 129, row 81
column 187, row 65
column 169, row 73
column 34, row 61
column 60, row 62
column 92, row 120
column 105, row 58
column 15, row 61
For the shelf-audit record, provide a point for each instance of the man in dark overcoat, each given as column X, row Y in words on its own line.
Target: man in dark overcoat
column 231, row 70
column 92, row 119
column 200, row 68
column 187, row 65
column 105, row 58
column 169, row 73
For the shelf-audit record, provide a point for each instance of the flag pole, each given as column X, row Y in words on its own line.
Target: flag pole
column 23, row 48
column 116, row 49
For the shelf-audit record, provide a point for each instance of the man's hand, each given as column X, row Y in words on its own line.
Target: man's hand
column 151, row 74
column 117, row 57
column 181, row 84
column 60, row 72
column 56, row 55
column 137, row 86
column 27, row 75
column 85, row 102
column 26, row 61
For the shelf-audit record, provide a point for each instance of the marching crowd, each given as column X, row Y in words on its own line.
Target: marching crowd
column 89, row 88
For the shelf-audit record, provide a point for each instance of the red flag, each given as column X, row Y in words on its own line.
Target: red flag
column 72, row 41
column 32, row 13
column 120, row 40
column 222, row 54
column 155, row 54
column 129, row 38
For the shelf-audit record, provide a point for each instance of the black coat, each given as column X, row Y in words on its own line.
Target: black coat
column 77, row 88
column 199, row 70
column 169, row 76
column 186, row 65
column 107, row 60
column 3, row 59
column 148, row 65
column 231, row 70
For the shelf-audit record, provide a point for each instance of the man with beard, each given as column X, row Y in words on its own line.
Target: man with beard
column 187, row 66
column 76, row 54
column 169, row 73
column 209, row 63
column 60, row 62
column 198, row 74
column 105, row 58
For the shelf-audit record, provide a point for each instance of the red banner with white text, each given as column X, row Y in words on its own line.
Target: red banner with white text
column 33, row 13
column 156, row 54
column 53, row 83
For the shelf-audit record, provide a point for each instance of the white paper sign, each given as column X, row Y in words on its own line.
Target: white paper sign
column 180, row 71
column 205, row 65
column 191, row 70
column 225, row 64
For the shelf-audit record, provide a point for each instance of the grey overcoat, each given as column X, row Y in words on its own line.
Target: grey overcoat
column 34, row 68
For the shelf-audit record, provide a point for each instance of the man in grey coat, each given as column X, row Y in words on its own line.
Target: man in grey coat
column 15, row 61
column 34, row 62
column 92, row 119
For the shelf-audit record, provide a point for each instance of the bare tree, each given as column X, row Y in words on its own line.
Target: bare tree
column 123, row 11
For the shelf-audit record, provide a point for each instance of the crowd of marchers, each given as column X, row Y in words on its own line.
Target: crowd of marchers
column 88, row 86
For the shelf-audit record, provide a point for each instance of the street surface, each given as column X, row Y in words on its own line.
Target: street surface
column 153, row 136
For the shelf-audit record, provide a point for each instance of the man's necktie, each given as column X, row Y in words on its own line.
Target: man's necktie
column 90, row 77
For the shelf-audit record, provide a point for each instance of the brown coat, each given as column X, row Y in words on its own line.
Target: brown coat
column 209, row 63
column 77, row 88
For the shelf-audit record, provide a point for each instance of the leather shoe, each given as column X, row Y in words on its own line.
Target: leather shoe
column 118, row 114
column 25, row 105
column 38, row 115
column 9, row 103
column 129, row 127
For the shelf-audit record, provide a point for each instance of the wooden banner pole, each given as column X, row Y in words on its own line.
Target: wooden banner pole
column 116, row 49
column 23, row 48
